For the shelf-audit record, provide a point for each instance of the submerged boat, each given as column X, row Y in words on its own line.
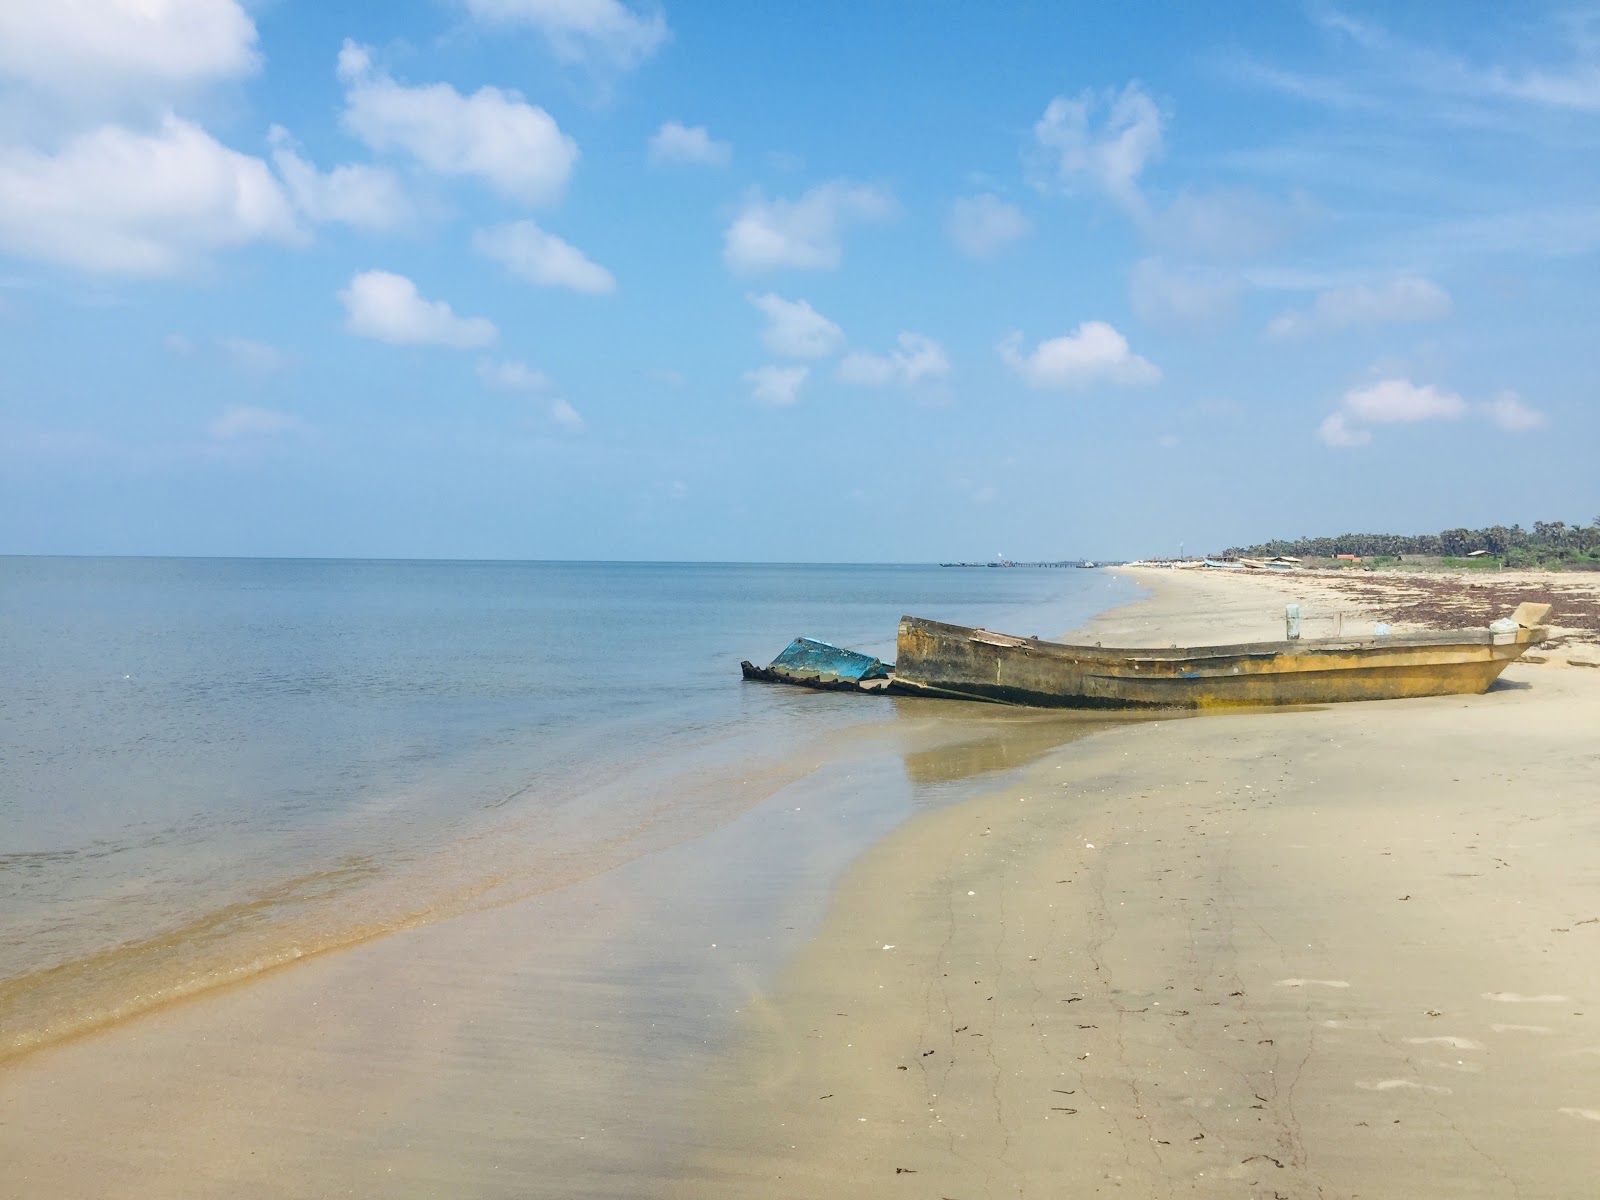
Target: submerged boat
column 974, row 664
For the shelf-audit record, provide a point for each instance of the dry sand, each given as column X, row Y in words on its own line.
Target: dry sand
column 1345, row 952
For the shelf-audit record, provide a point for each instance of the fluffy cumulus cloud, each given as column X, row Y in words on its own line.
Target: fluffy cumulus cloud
column 1406, row 298
column 493, row 135
column 1386, row 402
column 116, row 201
column 795, row 329
column 1182, row 299
column 804, row 233
column 1092, row 354
column 243, row 421
column 510, row 376
column 387, row 307
column 355, row 194
column 530, row 253
column 106, row 46
column 1401, row 402
column 777, row 387
column 981, row 226
column 915, row 358
column 582, row 30
column 690, row 144
column 1100, row 140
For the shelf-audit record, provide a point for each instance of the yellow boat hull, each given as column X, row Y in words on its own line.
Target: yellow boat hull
column 951, row 660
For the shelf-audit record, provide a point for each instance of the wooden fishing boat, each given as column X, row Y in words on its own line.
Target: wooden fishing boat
column 952, row 660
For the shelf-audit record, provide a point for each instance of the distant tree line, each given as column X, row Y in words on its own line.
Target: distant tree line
column 1547, row 541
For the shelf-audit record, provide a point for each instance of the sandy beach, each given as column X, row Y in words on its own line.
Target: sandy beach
column 1345, row 952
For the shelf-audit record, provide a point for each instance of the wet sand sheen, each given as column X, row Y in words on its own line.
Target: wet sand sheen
column 219, row 768
column 1350, row 951
column 559, row 1039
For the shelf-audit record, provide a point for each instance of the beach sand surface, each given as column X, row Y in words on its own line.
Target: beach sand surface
column 1351, row 951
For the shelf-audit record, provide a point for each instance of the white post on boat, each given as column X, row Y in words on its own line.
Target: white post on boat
column 1291, row 621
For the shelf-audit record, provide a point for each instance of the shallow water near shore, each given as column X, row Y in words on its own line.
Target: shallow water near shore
column 215, row 767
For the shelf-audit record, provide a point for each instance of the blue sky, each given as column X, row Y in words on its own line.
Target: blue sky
column 904, row 282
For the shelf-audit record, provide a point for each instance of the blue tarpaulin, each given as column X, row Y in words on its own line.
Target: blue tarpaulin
column 806, row 658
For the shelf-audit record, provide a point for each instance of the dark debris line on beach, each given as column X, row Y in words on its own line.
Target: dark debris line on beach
column 1446, row 602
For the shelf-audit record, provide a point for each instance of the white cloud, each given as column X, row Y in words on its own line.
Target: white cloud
column 1407, row 298
column 177, row 344
column 564, row 415
column 1337, row 431
column 776, row 386
column 803, row 233
column 692, row 144
column 492, row 134
column 582, row 30
column 795, row 329
column 1091, row 354
column 917, row 357
column 106, row 46
column 118, row 202
column 509, row 376
column 1387, row 402
column 385, row 306
column 981, row 226
column 245, row 421
column 355, row 194
column 1172, row 298
column 1399, row 401
column 253, row 355
column 1109, row 157
column 1508, row 411
column 530, row 253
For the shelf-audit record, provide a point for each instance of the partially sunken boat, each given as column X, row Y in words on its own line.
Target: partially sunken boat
column 951, row 660
column 814, row 664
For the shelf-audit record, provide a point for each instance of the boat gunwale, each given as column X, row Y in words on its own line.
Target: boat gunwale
column 1305, row 647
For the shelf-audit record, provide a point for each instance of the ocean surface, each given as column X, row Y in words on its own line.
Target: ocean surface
column 212, row 767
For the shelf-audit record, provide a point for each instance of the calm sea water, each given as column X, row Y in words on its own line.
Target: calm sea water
column 211, row 767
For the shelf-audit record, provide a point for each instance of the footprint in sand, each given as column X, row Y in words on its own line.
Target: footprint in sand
column 1389, row 1085
column 1333, row 983
column 1519, row 998
column 1460, row 1043
column 1588, row 1114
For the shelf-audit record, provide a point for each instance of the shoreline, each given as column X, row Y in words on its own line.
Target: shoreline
column 1300, row 952
column 559, row 1039
column 591, row 1037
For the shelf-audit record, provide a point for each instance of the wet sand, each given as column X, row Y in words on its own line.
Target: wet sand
column 1351, row 951
column 548, row 1047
